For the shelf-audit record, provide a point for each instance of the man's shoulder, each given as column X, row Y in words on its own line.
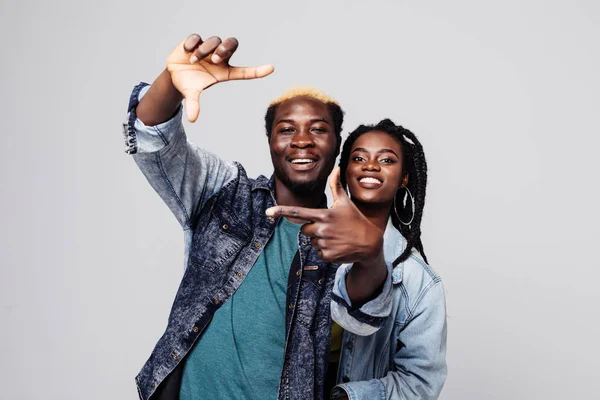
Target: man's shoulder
column 242, row 186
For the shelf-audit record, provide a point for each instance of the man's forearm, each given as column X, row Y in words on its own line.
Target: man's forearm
column 161, row 101
column 365, row 280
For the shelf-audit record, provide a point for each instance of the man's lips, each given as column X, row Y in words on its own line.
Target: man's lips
column 303, row 162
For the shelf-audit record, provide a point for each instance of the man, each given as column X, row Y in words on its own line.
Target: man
column 251, row 316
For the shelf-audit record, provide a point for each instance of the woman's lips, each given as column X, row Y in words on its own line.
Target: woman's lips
column 369, row 182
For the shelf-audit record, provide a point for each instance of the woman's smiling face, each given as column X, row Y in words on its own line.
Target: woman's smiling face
column 374, row 172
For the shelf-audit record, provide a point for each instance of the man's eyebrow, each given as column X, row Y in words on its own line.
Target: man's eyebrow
column 291, row 121
column 320, row 120
column 381, row 151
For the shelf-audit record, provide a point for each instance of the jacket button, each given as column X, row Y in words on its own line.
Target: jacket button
column 321, row 281
column 217, row 301
column 291, row 306
column 299, row 272
column 195, row 329
column 175, row 356
column 257, row 245
column 345, row 379
column 154, row 386
column 271, row 220
column 225, row 227
column 304, row 243
column 349, row 345
column 239, row 274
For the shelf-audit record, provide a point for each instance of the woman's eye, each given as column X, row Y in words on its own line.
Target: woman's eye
column 387, row 161
column 357, row 158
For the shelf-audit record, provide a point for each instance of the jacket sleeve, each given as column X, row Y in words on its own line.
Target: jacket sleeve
column 184, row 175
column 420, row 360
column 367, row 319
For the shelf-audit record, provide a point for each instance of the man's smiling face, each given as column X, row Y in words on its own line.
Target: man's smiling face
column 303, row 144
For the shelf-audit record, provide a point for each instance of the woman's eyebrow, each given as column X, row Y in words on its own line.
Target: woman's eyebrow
column 362, row 149
column 387, row 151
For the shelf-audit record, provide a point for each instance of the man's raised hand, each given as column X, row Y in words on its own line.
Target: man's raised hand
column 195, row 65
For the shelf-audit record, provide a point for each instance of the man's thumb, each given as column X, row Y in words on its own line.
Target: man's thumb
column 338, row 192
column 192, row 104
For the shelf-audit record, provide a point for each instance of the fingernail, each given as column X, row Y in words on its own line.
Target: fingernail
column 269, row 212
column 193, row 60
column 216, row 59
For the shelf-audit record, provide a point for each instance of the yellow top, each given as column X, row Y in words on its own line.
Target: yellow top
column 336, row 342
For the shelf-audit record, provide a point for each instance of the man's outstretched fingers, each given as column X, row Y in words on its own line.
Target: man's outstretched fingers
column 205, row 49
column 237, row 73
column 307, row 214
column 192, row 41
column 225, row 50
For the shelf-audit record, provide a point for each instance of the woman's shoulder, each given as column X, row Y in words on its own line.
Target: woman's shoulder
column 414, row 266
column 415, row 270
column 416, row 285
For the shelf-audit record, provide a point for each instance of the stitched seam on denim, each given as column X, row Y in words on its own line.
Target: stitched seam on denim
column 161, row 135
column 406, row 305
column 162, row 170
column 312, row 283
column 384, row 351
column 422, row 296
column 238, row 165
column 427, row 268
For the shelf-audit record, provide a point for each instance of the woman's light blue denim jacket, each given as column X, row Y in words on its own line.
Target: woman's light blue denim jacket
column 222, row 213
column 406, row 357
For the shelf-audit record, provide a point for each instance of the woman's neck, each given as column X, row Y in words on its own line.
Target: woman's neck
column 376, row 213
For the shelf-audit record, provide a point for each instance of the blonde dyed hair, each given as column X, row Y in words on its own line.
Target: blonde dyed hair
column 304, row 92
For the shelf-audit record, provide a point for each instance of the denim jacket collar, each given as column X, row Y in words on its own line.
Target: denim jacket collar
column 394, row 245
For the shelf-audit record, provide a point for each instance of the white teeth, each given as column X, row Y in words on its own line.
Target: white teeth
column 302, row 161
column 368, row 179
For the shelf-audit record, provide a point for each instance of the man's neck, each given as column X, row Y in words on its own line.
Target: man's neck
column 285, row 197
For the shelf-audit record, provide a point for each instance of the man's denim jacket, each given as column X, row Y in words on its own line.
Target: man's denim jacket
column 222, row 213
column 406, row 357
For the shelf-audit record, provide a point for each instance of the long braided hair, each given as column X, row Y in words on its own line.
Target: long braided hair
column 415, row 165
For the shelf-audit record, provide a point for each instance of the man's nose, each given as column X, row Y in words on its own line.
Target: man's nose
column 303, row 139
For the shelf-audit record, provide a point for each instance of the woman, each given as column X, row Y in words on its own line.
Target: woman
column 383, row 167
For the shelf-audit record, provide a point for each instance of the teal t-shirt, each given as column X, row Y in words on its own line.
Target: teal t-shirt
column 240, row 354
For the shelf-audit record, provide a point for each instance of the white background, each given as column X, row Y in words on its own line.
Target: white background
column 504, row 96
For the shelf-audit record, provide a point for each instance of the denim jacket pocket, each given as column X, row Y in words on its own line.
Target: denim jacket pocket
column 220, row 240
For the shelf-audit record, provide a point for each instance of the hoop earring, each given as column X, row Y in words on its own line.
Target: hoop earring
column 412, row 200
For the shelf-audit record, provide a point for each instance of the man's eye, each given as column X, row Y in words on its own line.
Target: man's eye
column 319, row 130
column 287, row 130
